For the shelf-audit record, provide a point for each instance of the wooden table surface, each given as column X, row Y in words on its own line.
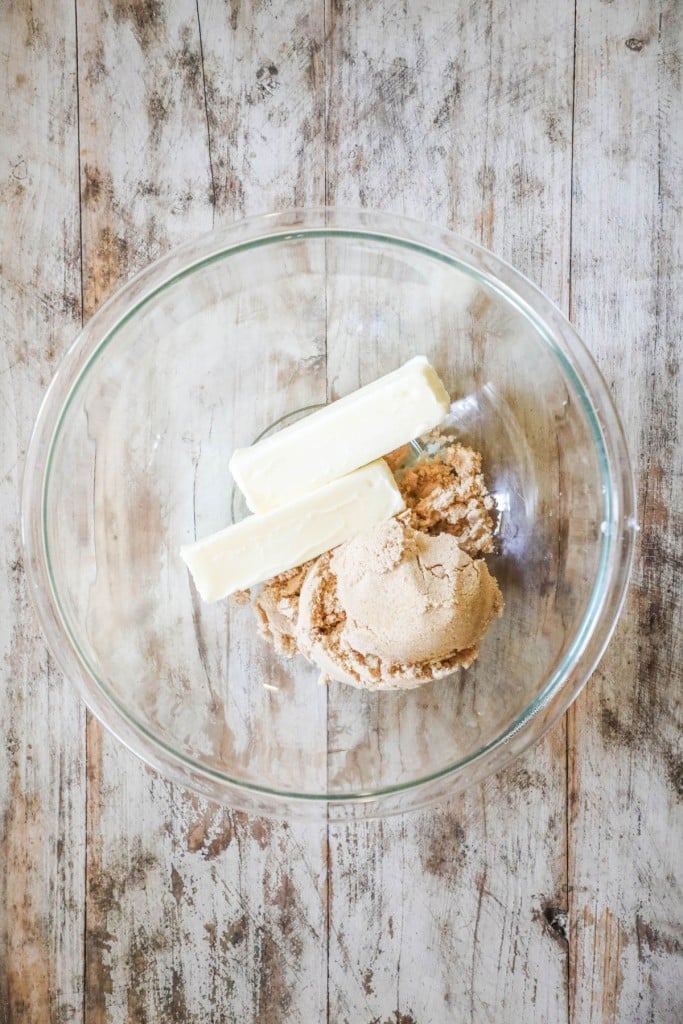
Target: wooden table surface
column 553, row 134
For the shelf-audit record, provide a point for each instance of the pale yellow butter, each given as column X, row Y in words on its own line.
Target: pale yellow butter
column 262, row 546
column 344, row 435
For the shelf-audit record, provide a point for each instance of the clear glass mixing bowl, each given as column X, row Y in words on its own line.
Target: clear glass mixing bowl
column 217, row 343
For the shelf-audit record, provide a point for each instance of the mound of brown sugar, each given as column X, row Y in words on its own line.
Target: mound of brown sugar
column 445, row 493
column 393, row 608
column 277, row 609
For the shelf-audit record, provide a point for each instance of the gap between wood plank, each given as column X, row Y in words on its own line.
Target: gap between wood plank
column 206, row 113
column 328, row 861
column 87, row 712
column 567, row 717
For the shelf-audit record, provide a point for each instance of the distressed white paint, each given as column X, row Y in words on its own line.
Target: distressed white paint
column 462, row 115
column 42, row 723
column 194, row 913
column 458, row 113
column 626, row 759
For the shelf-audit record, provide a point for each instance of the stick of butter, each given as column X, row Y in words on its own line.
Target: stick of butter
column 341, row 437
column 264, row 545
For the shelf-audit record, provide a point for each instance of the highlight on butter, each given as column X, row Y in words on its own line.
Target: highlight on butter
column 319, row 482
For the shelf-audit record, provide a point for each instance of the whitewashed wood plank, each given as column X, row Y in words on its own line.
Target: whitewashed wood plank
column 626, row 766
column 263, row 69
column 461, row 115
column 194, row 913
column 133, row 70
column 624, row 919
column 42, row 724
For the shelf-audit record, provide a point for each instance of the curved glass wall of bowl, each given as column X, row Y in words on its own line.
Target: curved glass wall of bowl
column 222, row 341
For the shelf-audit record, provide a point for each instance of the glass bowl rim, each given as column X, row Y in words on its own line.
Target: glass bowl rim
column 590, row 638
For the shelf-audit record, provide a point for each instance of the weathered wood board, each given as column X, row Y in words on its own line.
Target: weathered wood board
column 463, row 117
column 551, row 133
column 42, row 722
column 192, row 912
column 626, row 755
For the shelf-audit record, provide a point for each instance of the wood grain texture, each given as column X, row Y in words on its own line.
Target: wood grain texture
column 625, row 731
column 461, row 115
column 42, row 779
column 552, row 133
column 193, row 913
column 263, row 73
